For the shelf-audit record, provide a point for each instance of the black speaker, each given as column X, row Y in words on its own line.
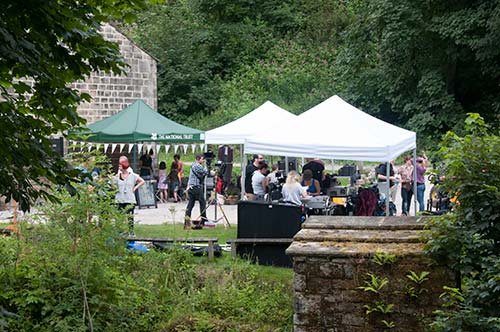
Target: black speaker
column 268, row 220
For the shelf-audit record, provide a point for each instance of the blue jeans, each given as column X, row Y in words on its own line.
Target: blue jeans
column 406, row 200
column 420, row 196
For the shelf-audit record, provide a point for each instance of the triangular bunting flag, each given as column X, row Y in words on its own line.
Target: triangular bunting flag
column 193, row 147
column 150, row 147
column 97, row 146
column 158, row 147
column 122, row 145
column 202, row 146
column 130, row 146
column 175, row 148
column 105, row 147
column 167, row 147
column 139, row 148
column 185, row 148
column 89, row 147
column 113, row 147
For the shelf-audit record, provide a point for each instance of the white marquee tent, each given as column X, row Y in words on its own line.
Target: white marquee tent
column 264, row 118
column 334, row 129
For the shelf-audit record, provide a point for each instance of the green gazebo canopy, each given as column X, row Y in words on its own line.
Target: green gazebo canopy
column 139, row 123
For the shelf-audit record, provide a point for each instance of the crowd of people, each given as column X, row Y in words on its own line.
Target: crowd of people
column 259, row 177
column 309, row 184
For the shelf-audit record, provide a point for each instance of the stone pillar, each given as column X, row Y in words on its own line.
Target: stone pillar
column 335, row 256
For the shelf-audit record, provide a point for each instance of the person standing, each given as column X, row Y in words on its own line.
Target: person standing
column 179, row 167
column 128, row 182
column 259, row 181
column 173, row 182
column 196, row 192
column 250, row 169
column 382, row 177
column 405, row 172
column 163, row 182
column 146, row 164
column 421, row 168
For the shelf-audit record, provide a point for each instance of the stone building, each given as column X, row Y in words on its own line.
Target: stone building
column 111, row 93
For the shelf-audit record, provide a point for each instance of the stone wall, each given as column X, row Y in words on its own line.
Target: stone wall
column 110, row 93
column 333, row 257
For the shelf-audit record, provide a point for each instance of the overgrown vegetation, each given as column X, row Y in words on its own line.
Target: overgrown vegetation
column 469, row 239
column 72, row 272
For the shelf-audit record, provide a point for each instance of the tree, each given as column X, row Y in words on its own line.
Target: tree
column 423, row 64
column 54, row 43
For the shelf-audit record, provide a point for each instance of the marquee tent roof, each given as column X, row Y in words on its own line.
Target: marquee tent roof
column 264, row 118
column 334, row 129
column 140, row 123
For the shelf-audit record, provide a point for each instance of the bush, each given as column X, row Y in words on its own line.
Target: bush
column 469, row 240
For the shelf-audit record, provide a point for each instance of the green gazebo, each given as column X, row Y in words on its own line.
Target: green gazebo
column 140, row 123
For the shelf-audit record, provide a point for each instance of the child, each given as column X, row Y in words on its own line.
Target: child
column 162, row 182
column 173, row 180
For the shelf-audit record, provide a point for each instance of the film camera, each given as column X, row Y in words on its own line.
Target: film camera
column 209, row 157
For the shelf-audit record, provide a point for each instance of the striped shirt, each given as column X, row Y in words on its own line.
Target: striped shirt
column 197, row 175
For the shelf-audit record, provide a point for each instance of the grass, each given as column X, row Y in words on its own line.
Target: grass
column 271, row 273
column 178, row 231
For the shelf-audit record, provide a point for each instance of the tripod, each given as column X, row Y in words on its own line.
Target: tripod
column 212, row 201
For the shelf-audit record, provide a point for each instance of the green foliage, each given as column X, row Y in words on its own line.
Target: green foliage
column 469, row 240
column 379, row 307
column 418, row 278
column 293, row 75
column 54, row 43
column 422, row 64
column 381, row 258
column 70, row 271
column 374, row 284
column 415, row 289
column 389, row 325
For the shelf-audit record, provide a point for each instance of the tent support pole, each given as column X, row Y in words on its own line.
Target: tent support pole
column 388, row 197
column 243, row 171
column 415, row 201
column 135, row 158
column 286, row 165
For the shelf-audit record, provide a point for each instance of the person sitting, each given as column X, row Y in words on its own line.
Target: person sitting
column 317, row 168
column 292, row 190
column 259, row 181
column 313, row 187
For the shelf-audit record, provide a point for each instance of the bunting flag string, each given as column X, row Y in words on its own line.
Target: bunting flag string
column 130, row 146
column 193, row 147
column 167, row 147
column 185, row 148
column 113, row 147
